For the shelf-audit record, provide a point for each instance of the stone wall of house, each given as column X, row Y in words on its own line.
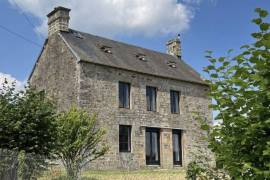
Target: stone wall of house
column 95, row 88
column 56, row 73
column 98, row 93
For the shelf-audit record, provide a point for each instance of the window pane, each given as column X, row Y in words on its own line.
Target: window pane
column 147, row 146
column 148, row 98
column 124, row 138
column 171, row 98
column 152, row 146
column 176, row 97
column 177, row 147
column 121, row 95
column 124, row 95
column 123, row 134
column 174, row 101
column 123, row 147
column 151, row 96
column 155, row 146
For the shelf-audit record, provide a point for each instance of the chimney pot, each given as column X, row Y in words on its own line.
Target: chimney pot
column 58, row 20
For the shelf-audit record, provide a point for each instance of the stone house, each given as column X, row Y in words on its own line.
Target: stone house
column 144, row 99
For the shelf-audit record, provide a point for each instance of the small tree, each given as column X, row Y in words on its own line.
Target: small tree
column 240, row 86
column 79, row 140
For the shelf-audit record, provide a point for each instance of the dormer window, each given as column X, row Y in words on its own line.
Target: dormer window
column 172, row 64
column 106, row 49
column 141, row 57
column 77, row 35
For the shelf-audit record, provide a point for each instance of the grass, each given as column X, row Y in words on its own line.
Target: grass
column 125, row 175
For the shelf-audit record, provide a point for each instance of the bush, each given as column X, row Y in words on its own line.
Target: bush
column 200, row 168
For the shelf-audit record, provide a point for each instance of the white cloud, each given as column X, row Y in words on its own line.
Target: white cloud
column 192, row 1
column 19, row 85
column 114, row 17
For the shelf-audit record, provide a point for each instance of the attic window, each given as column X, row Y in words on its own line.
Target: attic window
column 77, row 35
column 172, row 64
column 141, row 57
column 106, row 49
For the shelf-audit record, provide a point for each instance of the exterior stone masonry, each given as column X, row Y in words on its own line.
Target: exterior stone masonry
column 98, row 93
column 93, row 84
column 56, row 72
column 58, row 20
column 95, row 88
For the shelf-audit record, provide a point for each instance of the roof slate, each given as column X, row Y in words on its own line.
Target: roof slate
column 89, row 48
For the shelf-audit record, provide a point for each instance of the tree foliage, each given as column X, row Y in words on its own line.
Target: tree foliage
column 240, row 87
column 28, row 127
column 27, row 121
column 79, row 139
column 201, row 168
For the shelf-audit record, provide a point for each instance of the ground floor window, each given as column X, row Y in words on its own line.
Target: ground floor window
column 124, row 138
column 152, row 145
column 177, row 147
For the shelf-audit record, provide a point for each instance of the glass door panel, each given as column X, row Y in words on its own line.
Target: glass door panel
column 177, row 147
column 152, row 145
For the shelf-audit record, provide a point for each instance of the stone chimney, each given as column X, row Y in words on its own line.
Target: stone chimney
column 58, row 20
column 174, row 47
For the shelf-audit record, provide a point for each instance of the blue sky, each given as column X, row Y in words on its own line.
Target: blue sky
column 216, row 25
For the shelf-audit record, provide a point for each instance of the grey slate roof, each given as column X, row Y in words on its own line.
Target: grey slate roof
column 88, row 48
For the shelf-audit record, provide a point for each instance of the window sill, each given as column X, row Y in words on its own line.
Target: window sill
column 124, row 107
column 124, row 151
column 153, row 165
column 151, row 111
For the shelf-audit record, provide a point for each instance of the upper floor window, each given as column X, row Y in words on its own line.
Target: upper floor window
column 174, row 101
column 151, row 98
column 124, row 138
column 124, row 95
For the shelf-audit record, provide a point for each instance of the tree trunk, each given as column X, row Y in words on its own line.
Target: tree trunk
column 72, row 171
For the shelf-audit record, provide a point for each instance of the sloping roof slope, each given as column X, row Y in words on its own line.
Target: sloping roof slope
column 89, row 48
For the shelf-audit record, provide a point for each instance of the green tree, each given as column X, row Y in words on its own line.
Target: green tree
column 28, row 125
column 79, row 140
column 240, row 87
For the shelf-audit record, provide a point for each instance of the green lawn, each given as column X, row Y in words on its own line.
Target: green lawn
column 125, row 175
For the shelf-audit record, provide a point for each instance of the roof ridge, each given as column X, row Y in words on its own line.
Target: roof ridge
column 137, row 46
column 126, row 44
